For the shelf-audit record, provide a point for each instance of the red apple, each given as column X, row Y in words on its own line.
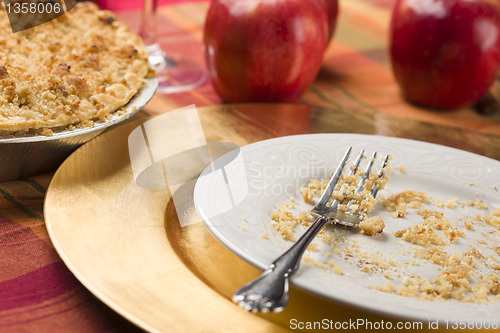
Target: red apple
column 264, row 50
column 332, row 11
column 445, row 53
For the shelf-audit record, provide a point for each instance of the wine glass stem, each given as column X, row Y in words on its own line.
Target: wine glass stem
column 175, row 74
column 148, row 29
column 149, row 34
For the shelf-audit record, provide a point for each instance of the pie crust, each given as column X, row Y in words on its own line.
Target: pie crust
column 72, row 70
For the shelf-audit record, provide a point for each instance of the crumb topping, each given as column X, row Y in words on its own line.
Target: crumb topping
column 71, row 70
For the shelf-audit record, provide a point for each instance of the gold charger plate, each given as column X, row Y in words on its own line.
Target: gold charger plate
column 125, row 243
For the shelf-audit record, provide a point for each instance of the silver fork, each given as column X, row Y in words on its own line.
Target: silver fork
column 269, row 292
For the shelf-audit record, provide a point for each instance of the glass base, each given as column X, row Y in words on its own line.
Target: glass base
column 176, row 73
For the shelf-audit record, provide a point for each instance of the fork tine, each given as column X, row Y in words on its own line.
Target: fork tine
column 368, row 169
column 363, row 179
column 357, row 162
column 333, row 181
column 374, row 189
column 353, row 171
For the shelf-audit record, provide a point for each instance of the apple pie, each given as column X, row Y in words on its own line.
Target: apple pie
column 70, row 71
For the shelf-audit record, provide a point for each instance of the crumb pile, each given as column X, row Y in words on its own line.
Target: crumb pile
column 350, row 201
column 424, row 233
column 468, row 276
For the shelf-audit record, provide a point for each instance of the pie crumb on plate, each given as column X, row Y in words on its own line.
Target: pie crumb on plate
column 463, row 271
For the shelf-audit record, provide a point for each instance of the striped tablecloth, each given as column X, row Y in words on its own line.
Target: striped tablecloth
column 39, row 294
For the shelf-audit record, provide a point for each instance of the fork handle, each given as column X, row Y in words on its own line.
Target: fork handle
column 269, row 292
column 289, row 261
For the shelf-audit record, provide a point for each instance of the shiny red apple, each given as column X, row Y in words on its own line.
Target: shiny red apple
column 264, row 50
column 445, row 53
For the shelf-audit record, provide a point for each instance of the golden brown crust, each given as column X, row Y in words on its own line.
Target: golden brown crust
column 79, row 67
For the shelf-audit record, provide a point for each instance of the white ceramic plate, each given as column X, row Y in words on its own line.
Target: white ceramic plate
column 236, row 199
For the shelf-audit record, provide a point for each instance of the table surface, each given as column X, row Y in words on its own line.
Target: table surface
column 354, row 92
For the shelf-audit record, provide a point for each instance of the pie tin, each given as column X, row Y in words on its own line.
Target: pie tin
column 29, row 155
